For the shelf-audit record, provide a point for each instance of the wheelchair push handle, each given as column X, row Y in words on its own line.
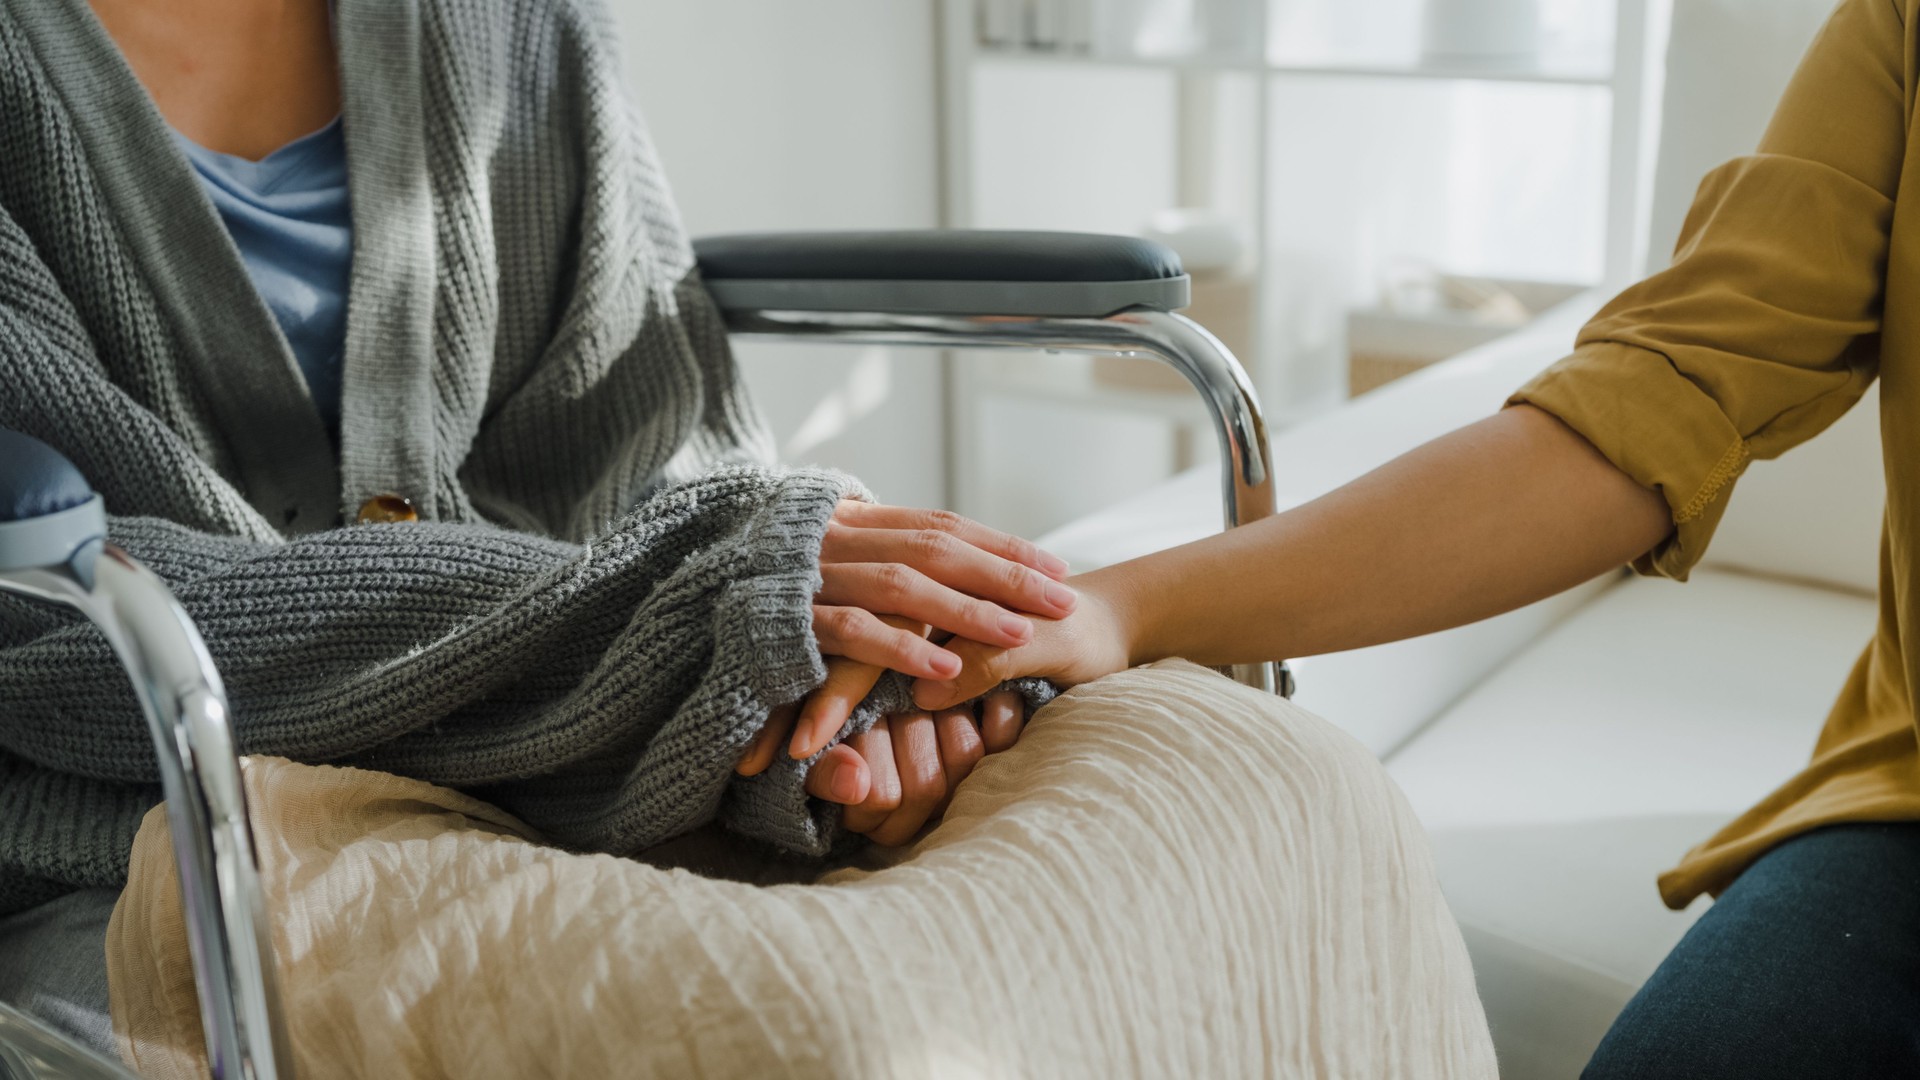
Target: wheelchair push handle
column 53, row 548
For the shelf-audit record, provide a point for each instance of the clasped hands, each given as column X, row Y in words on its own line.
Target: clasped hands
column 954, row 605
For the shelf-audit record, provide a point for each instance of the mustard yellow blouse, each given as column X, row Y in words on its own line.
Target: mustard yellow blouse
column 1795, row 283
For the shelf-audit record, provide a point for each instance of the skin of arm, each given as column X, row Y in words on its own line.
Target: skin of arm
column 1494, row 516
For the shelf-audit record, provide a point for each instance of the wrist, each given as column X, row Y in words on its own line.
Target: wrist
column 1128, row 602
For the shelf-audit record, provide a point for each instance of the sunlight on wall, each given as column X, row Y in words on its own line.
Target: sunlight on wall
column 867, row 385
column 1526, row 182
column 821, row 115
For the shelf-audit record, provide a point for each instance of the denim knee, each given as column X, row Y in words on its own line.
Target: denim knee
column 1809, row 965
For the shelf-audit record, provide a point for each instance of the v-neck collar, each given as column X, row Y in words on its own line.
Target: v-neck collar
column 236, row 351
column 293, row 162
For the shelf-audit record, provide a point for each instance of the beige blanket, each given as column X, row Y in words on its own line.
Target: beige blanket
column 1171, row 875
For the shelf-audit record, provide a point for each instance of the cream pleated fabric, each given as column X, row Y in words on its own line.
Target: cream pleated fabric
column 1170, row 875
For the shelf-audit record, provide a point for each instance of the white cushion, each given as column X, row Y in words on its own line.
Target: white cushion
column 1559, row 788
column 1384, row 695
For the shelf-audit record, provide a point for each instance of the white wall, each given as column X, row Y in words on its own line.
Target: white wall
column 1044, row 157
column 773, row 114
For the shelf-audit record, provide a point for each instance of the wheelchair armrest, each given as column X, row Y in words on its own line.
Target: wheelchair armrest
column 942, row 272
column 49, row 516
column 35, row 480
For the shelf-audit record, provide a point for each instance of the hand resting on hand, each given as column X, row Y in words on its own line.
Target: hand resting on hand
column 890, row 577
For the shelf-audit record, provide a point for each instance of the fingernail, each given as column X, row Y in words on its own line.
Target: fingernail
column 945, row 664
column 798, row 749
column 846, row 786
column 1016, row 627
column 1060, row 596
column 1053, row 564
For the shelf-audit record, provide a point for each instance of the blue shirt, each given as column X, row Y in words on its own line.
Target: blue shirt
column 288, row 214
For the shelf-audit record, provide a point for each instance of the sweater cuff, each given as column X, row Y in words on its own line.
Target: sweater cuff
column 763, row 622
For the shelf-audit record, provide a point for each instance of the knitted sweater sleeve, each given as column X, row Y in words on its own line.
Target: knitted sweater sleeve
column 600, row 690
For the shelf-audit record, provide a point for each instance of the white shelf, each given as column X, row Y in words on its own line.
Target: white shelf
column 1569, row 76
column 1552, row 74
column 1255, row 83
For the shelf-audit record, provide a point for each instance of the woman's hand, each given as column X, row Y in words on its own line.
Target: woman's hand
column 931, row 567
column 917, row 760
column 892, row 779
column 842, row 775
column 1097, row 639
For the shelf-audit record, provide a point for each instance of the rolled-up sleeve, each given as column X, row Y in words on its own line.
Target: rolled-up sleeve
column 1764, row 329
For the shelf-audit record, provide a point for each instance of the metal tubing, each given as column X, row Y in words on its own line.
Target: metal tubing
column 1246, row 458
column 186, row 709
column 30, row 1050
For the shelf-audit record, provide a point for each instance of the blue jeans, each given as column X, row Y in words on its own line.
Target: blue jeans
column 1807, row 967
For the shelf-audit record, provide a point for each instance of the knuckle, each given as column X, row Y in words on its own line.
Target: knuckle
column 969, row 753
column 945, row 521
column 844, row 622
column 1018, row 578
column 923, row 784
column 930, row 544
column 895, row 581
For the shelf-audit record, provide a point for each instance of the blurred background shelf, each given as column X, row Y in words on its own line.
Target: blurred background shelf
column 1339, row 145
column 1592, row 73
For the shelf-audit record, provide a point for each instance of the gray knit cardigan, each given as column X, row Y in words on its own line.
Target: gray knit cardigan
column 608, row 589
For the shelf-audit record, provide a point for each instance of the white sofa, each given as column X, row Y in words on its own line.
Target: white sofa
column 1563, row 755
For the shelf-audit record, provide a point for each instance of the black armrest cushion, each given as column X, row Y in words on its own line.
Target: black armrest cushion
column 949, row 271
column 35, row 480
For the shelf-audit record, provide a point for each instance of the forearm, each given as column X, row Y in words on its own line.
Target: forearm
column 1489, row 518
